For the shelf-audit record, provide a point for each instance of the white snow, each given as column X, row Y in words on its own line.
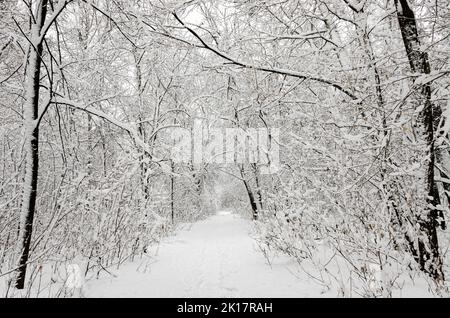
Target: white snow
column 215, row 257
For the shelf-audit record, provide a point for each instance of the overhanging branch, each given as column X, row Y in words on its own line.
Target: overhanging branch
column 263, row 68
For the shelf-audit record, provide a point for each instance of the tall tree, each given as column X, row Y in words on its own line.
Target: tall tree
column 32, row 116
column 428, row 254
column 31, row 112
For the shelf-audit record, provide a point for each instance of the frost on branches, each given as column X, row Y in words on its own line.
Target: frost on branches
column 115, row 136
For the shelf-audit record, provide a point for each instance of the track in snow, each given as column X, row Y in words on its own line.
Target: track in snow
column 215, row 257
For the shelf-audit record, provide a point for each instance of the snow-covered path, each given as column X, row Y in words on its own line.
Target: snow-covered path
column 215, row 257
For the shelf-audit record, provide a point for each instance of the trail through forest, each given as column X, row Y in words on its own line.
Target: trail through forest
column 216, row 257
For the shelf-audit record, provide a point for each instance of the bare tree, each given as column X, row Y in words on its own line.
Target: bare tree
column 428, row 254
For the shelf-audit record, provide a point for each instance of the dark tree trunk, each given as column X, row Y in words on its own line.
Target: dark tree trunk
column 251, row 196
column 258, row 186
column 252, row 201
column 31, row 110
column 428, row 255
column 172, row 194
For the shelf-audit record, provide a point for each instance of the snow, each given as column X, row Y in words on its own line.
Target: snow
column 215, row 257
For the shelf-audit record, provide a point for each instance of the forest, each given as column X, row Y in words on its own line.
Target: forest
column 313, row 131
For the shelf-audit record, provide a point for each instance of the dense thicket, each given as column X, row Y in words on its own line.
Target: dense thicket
column 358, row 90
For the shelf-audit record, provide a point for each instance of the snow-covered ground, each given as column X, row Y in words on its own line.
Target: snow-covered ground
column 215, row 257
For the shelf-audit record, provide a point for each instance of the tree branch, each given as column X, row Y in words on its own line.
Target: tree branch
column 263, row 68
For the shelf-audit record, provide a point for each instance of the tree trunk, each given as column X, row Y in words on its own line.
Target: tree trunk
column 31, row 110
column 428, row 256
column 251, row 196
column 172, row 193
column 258, row 187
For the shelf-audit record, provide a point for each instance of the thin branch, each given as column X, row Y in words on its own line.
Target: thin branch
column 263, row 68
